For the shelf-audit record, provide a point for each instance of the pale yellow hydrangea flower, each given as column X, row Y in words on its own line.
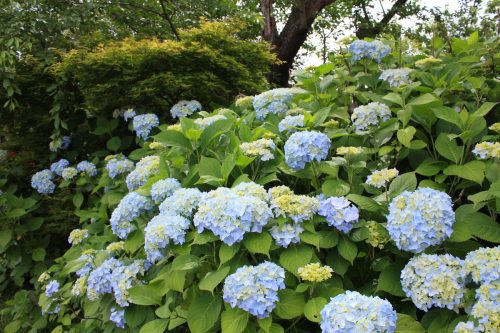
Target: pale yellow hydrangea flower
column 380, row 178
column 45, row 276
column 77, row 236
column 427, row 62
column 331, row 124
column 495, row 127
column 175, row 127
column 115, row 247
column 378, row 235
column 349, row 151
column 315, row 272
column 244, row 102
column 156, row 145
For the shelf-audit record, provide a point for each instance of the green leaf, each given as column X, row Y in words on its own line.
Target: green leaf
column 203, row 312
column 227, row 252
column 473, row 171
column 144, row 295
column 347, row 249
column 483, row 226
column 404, row 182
column 258, row 242
column 335, row 188
column 484, row 109
column 38, row 254
column 406, row 324
column 5, row 237
column 134, row 241
column 293, row 258
column 313, row 308
column 430, row 167
column 185, row 262
column 291, row 304
column 364, row 203
column 155, row 326
column 215, row 130
column 447, row 114
column 406, row 135
column 394, row 98
column 173, row 139
column 114, row 143
column 213, row 279
column 423, row 99
column 390, row 280
column 448, row 148
column 78, row 199
column 15, row 213
column 234, row 320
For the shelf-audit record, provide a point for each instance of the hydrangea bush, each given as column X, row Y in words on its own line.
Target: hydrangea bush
column 344, row 204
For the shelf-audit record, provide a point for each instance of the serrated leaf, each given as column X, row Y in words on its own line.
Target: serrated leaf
column 293, row 258
column 291, row 304
column 347, row 249
column 155, row 326
column 390, row 280
column 473, row 171
column 213, row 279
column 313, row 308
column 258, row 242
column 234, row 320
column 203, row 312
column 406, row 324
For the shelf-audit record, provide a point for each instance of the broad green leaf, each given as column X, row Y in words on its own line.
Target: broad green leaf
column 406, row 324
column 335, row 188
column 38, row 254
column 390, row 280
column 483, row 226
column 15, row 213
column 347, row 249
column 291, row 304
column 155, row 326
column 448, row 114
column 78, row 199
column 406, row 135
column 405, row 182
column 215, row 130
column 448, row 148
column 258, row 242
column 423, row 99
column 213, row 279
column 5, row 237
column 144, row 295
column 114, row 143
column 394, row 98
column 430, row 167
column 174, row 139
column 234, row 320
column 484, row 109
column 293, row 258
column 185, row 262
column 203, row 312
column 473, row 171
column 313, row 308
column 364, row 203
column 227, row 252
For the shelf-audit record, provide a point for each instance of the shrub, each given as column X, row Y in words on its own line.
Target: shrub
column 211, row 256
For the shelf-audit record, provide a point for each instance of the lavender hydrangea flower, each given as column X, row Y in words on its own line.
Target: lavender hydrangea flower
column 305, row 147
column 69, row 173
column 42, row 182
column 185, row 108
column 372, row 114
column 118, row 317
column 59, row 166
column 160, row 230
column 290, row 123
column 352, row 312
column 129, row 114
column 183, row 201
column 117, row 165
column 339, row 212
column 130, row 207
column 396, row 77
column 420, row 219
column 87, row 167
column 255, row 288
column 144, row 123
column 487, row 307
column 274, row 101
column 144, row 169
column 163, row 189
column 286, row 234
column 52, row 288
column 205, row 122
column 375, row 50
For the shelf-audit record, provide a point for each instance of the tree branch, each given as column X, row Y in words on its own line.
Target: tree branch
column 167, row 17
column 371, row 31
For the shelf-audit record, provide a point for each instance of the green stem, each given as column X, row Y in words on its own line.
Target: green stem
column 315, row 173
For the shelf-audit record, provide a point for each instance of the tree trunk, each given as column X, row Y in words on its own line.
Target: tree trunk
column 288, row 42
column 370, row 30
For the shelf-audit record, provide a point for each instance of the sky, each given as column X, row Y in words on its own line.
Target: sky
column 314, row 60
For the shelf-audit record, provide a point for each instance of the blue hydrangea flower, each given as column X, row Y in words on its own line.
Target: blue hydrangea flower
column 122, row 279
column 185, row 108
column 420, row 219
column 375, row 50
column 87, row 167
column 372, row 114
column 160, row 230
column 183, row 201
column 59, row 166
column 305, row 147
column 434, row 280
column 118, row 165
column 255, row 288
column 163, row 189
column 100, row 279
column 261, row 148
column 129, row 114
column 339, row 212
column 396, row 77
column 144, row 169
column 274, row 101
column 60, row 143
column 352, row 312
column 52, row 288
column 484, row 264
column 487, row 307
column 230, row 216
column 118, row 317
column 286, row 234
column 467, row 327
column 86, row 260
column 130, row 207
column 290, row 123
column 69, row 173
column 42, row 182
column 144, row 123
column 251, row 188
column 205, row 122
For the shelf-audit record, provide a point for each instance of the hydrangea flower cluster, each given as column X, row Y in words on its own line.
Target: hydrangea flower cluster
column 117, row 165
column 495, row 127
column 230, row 216
column 118, row 317
column 130, row 207
column 305, row 147
column 77, row 236
column 185, row 108
column 59, row 166
column 349, row 151
column 86, row 264
column 297, row 207
column 183, row 201
column 434, row 280
column 396, row 77
column 87, row 167
column 78, row 288
column 123, row 276
column 484, row 150
column 315, row 272
column 115, row 247
column 129, row 114
column 467, row 327
column 205, row 122
column 378, row 235
column 371, row 114
column 375, row 50
column 487, row 308
column 51, row 288
column 42, row 182
column 255, row 288
column 427, row 62
column 273, row 101
column 352, row 312
column 60, row 143
column 160, row 230
column 100, row 279
column 339, row 213
column 380, row 178
column 163, row 189
column 69, row 173
column 420, row 219
column 144, row 169
column 484, row 264
column 286, row 234
column 244, row 102
column 144, row 123
column 251, row 188
column 290, row 123
column 262, row 148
